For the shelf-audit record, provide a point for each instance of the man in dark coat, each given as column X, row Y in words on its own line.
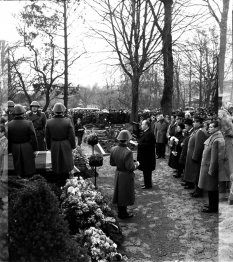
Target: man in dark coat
column 194, row 155
column 38, row 119
column 122, row 157
column 22, row 143
column 79, row 131
column 60, row 139
column 146, row 154
column 184, row 145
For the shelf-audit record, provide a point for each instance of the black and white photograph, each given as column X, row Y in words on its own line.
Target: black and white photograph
column 116, row 130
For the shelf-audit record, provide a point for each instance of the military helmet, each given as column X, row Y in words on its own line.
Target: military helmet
column 10, row 103
column 35, row 103
column 59, row 108
column 18, row 110
column 124, row 135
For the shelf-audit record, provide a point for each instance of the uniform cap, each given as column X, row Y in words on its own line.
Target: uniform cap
column 59, row 108
column 10, row 103
column 35, row 103
column 124, row 135
column 18, row 110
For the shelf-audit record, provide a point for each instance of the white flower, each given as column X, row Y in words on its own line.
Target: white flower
column 71, row 190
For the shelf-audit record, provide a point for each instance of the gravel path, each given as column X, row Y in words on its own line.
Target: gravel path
column 168, row 224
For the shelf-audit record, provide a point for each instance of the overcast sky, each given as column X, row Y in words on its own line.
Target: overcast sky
column 90, row 68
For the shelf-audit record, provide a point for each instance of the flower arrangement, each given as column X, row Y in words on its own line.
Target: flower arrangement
column 174, row 139
column 101, row 247
column 96, row 160
column 80, row 159
column 84, row 207
column 92, row 139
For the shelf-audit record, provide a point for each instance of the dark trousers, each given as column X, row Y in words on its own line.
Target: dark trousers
column 160, row 149
column 213, row 200
column 122, row 210
column 147, row 174
column 80, row 140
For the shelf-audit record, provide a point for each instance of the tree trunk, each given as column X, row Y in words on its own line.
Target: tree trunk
column 190, row 85
column 135, row 88
column 223, row 40
column 66, row 58
column 166, row 101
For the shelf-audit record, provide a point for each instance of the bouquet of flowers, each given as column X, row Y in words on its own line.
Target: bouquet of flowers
column 92, row 139
column 101, row 247
column 96, row 160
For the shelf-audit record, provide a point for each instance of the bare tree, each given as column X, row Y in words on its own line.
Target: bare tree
column 129, row 29
column 220, row 14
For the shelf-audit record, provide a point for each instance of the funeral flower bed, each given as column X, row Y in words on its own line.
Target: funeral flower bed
column 91, row 220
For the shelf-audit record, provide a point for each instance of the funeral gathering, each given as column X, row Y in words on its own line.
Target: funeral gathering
column 116, row 131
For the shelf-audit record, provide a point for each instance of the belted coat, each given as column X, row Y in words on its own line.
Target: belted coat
column 60, row 139
column 22, row 143
column 194, row 155
column 213, row 162
column 122, row 157
column 146, row 151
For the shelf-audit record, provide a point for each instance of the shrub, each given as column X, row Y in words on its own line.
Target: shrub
column 37, row 230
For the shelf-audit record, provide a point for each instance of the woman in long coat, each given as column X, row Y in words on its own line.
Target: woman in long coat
column 60, row 139
column 22, row 143
column 122, row 157
column 212, row 166
column 176, row 148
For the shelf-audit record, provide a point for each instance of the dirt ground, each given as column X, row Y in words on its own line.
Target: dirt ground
column 168, row 224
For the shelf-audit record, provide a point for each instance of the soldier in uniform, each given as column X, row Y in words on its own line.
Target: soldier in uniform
column 60, row 139
column 10, row 105
column 22, row 143
column 38, row 119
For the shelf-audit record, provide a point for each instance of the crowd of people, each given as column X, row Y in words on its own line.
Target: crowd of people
column 200, row 149
column 200, row 153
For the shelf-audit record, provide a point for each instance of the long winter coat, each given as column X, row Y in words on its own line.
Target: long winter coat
column 39, row 121
column 60, row 139
column 213, row 162
column 173, row 161
column 194, row 155
column 122, row 157
column 22, row 143
column 160, row 131
column 146, row 151
column 184, row 146
column 228, row 137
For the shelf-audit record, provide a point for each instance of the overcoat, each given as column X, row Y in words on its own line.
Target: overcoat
column 60, row 139
column 39, row 121
column 173, row 161
column 22, row 143
column 146, row 151
column 160, row 131
column 122, row 157
column 184, row 146
column 194, row 155
column 228, row 137
column 212, row 164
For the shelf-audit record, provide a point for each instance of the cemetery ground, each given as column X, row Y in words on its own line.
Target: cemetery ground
column 168, row 224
